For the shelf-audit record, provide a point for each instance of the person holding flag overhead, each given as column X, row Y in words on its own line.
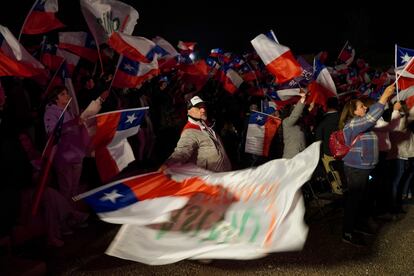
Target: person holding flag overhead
column 294, row 138
column 199, row 143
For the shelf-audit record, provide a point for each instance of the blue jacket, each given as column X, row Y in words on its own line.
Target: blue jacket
column 364, row 153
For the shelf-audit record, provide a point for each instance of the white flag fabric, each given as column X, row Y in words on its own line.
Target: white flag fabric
column 242, row 214
column 107, row 16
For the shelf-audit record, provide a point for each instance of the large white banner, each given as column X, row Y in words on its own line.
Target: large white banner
column 197, row 214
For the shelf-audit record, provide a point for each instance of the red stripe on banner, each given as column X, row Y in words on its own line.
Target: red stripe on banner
column 41, row 22
column 160, row 185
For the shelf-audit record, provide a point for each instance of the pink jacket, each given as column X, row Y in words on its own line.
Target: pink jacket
column 73, row 142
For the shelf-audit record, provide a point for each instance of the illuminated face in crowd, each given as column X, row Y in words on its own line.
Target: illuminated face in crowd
column 62, row 98
column 360, row 109
column 198, row 112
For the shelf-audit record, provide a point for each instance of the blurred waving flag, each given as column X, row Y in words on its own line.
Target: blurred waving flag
column 117, row 202
column 278, row 59
column 107, row 16
column 231, row 81
column 70, row 59
column 347, row 54
column 216, row 52
column 15, row 60
column 79, row 43
column 168, row 58
column 260, row 131
column 191, row 213
column 402, row 56
column 404, row 67
column 132, row 73
column 109, row 132
column 196, row 74
column 406, row 95
column 186, row 46
column 135, row 47
column 48, row 55
column 42, row 18
column 322, row 87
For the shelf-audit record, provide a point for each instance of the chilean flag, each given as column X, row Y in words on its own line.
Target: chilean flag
column 49, row 56
column 15, row 60
column 135, row 47
column 132, row 73
column 404, row 64
column 168, row 59
column 156, row 194
column 406, row 95
column 231, row 81
column 107, row 16
column 278, row 59
column 70, row 59
column 323, row 77
column 79, row 43
column 216, row 52
column 323, row 86
column 260, row 131
column 402, row 56
column 109, row 132
column 247, row 73
column 42, row 18
column 346, row 56
column 186, row 46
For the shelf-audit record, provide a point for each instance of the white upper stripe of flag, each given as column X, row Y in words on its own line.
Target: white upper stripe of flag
column 267, row 49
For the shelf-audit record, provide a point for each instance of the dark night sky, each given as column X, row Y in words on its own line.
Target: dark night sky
column 306, row 29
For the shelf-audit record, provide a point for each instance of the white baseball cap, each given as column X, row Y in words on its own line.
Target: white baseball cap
column 195, row 101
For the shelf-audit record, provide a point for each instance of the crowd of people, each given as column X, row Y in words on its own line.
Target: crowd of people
column 375, row 177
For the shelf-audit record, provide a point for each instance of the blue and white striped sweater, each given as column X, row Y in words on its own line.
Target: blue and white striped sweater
column 364, row 153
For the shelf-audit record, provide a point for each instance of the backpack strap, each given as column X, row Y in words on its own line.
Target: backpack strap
column 355, row 139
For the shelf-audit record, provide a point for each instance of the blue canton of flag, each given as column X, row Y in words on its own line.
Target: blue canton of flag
column 156, row 50
column 111, row 198
column 257, row 118
column 211, row 62
column 273, row 95
column 130, row 119
column 40, row 6
column 49, row 48
column 129, row 66
column 402, row 56
column 216, row 52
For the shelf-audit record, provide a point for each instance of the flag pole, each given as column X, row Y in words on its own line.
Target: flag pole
column 395, row 69
column 343, row 48
column 46, row 165
column 266, row 114
column 25, row 20
column 400, row 74
column 255, row 76
column 54, row 76
column 274, row 36
column 116, row 70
